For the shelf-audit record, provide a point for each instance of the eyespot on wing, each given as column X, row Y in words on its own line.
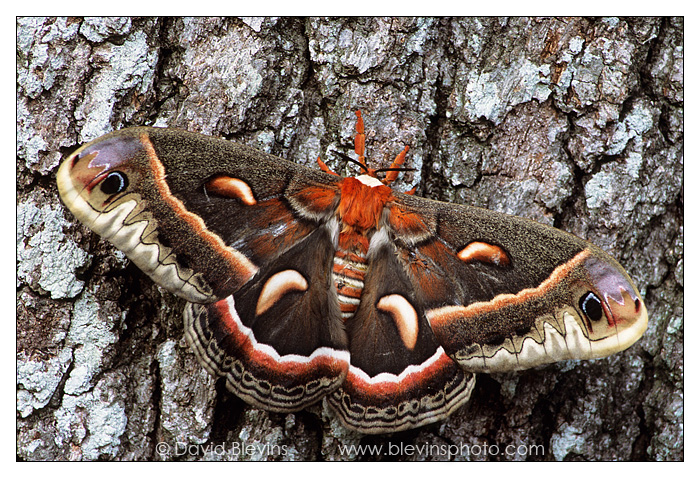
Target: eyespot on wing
column 616, row 314
column 100, row 170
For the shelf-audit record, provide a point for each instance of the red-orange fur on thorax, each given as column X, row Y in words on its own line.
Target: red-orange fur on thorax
column 361, row 206
column 360, row 210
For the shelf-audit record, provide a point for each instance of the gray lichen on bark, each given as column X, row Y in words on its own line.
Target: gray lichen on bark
column 577, row 123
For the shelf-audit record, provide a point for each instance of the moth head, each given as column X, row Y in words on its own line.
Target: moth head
column 370, row 176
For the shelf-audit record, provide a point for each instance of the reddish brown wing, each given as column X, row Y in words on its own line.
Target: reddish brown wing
column 198, row 214
column 504, row 293
column 225, row 225
column 400, row 377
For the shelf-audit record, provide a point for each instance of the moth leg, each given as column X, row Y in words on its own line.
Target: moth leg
column 360, row 138
column 324, row 167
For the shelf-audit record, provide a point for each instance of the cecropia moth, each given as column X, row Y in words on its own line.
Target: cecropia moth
column 303, row 285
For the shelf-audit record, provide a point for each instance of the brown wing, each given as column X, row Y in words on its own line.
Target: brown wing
column 504, row 293
column 235, row 232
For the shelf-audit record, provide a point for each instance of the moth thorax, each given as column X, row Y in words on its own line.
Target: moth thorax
column 349, row 270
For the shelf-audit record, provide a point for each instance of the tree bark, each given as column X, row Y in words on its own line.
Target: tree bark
column 574, row 122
